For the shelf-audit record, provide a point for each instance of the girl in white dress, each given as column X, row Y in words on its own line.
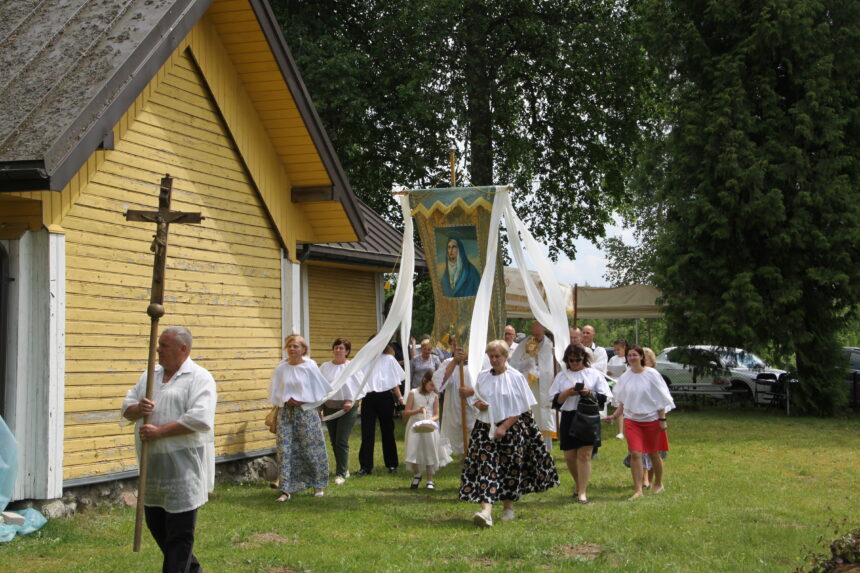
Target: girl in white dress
column 424, row 450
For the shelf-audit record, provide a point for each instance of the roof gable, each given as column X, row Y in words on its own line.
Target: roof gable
column 69, row 69
column 108, row 53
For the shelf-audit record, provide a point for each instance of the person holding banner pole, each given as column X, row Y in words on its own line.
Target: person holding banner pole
column 448, row 380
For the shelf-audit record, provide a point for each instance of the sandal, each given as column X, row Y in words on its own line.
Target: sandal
column 284, row 497
column 415, row 481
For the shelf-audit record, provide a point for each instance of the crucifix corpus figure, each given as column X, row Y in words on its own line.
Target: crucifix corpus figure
column 157, row 433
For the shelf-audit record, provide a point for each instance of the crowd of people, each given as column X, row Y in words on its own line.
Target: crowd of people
column 503, row 423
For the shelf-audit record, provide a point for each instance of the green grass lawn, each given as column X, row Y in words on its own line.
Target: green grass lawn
column 745, row 491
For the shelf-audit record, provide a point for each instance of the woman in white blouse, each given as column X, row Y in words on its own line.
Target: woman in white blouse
column 507, row 457
column 381, row 390
column 643, row 399
column 344, row 401
column 576, row 383
column 301, row 446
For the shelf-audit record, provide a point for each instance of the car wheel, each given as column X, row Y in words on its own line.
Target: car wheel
column 741, row 393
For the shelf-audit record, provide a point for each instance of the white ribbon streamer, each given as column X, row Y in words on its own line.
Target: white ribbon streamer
column 401, row 306
column 553, row 317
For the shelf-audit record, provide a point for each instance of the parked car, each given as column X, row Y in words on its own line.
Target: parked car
column 720, row 371
column 852, row 374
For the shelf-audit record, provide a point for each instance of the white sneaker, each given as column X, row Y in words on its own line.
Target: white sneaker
column 620, row 436
column 482, row 519
column 508, row 515
column 339, row 480
column 346, row 475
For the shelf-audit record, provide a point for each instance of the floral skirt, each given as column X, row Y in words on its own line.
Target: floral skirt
column 301, row 447
column 506, row 469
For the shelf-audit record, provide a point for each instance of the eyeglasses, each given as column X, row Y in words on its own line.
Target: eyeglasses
column 574, row 359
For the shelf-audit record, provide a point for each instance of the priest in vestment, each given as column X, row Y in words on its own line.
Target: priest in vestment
column 533, row 357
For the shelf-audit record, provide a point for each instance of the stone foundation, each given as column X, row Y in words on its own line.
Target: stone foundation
column 124, row 492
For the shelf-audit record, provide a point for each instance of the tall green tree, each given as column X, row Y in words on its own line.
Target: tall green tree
column 545, row 95
column 761, row 244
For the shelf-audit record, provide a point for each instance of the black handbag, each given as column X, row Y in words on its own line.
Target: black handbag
column 585, row 426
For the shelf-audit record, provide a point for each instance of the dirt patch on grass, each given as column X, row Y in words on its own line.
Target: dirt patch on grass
column 482, row 563
column 261, row 538
column 582, row 552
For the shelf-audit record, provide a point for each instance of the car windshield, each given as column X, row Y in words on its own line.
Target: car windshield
column 743, row 358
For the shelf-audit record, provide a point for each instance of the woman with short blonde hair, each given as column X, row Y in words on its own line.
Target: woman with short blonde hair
column 300, row 442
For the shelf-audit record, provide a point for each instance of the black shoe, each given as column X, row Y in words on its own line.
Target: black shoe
column 363, row 472
column 392, row 470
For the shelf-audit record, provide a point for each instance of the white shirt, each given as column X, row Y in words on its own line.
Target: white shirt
column 567, row 379
column 348, row 391
column 616, row 366
column 181, row 469
column 643, row 395
column 385, row 373
column 598, row 358
column 507, row 394
column 302, row 382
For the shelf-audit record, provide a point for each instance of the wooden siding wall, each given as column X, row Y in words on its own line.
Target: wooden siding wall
column 223, row 278
column 341, row 304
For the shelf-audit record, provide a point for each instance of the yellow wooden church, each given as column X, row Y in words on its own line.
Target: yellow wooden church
column 98, row 101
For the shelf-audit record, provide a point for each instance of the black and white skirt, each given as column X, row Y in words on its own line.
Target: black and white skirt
column 505, row 469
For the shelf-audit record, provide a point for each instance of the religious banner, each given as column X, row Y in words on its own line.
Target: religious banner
column 454, row 226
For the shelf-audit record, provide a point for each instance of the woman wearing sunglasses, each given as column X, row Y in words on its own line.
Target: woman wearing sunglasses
column 573, row 389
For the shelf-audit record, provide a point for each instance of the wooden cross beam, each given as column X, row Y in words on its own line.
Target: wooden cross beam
column 162, row 218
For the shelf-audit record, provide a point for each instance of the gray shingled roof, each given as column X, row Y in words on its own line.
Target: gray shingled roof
column 379, row 248
column 68, row 71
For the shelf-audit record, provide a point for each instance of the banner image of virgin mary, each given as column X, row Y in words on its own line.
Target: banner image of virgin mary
column 461, row 278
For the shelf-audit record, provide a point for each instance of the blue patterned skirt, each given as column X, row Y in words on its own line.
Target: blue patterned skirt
column 301, row 447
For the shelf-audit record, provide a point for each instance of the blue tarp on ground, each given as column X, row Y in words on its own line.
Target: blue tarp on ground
column 33, row 521
column 8, row 463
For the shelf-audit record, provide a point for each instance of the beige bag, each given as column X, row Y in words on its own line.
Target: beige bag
column 272, row 419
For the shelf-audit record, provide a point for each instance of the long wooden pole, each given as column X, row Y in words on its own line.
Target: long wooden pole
column 155, row 310
column 462, row 399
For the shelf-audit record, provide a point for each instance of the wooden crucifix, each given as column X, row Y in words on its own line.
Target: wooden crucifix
column 162, row 218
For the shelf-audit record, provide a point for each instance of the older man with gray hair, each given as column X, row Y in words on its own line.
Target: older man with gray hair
column 180, row 432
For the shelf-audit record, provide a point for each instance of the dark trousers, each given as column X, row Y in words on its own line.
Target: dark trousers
column 338, row 431
column 377, row 405
column 174, row 534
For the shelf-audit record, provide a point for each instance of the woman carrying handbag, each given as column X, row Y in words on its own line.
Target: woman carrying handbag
column 579, row 391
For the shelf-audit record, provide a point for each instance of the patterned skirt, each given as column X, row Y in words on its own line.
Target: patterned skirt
column 301, row 447
column 508, row 468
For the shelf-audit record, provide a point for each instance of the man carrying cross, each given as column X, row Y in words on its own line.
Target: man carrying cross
column 181, row 452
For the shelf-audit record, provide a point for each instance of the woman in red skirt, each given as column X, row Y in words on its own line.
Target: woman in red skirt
column 643, row 398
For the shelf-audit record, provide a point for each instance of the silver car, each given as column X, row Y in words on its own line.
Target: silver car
column 718, row 371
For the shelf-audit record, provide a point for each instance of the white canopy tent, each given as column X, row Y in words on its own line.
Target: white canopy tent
column 634, row 301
